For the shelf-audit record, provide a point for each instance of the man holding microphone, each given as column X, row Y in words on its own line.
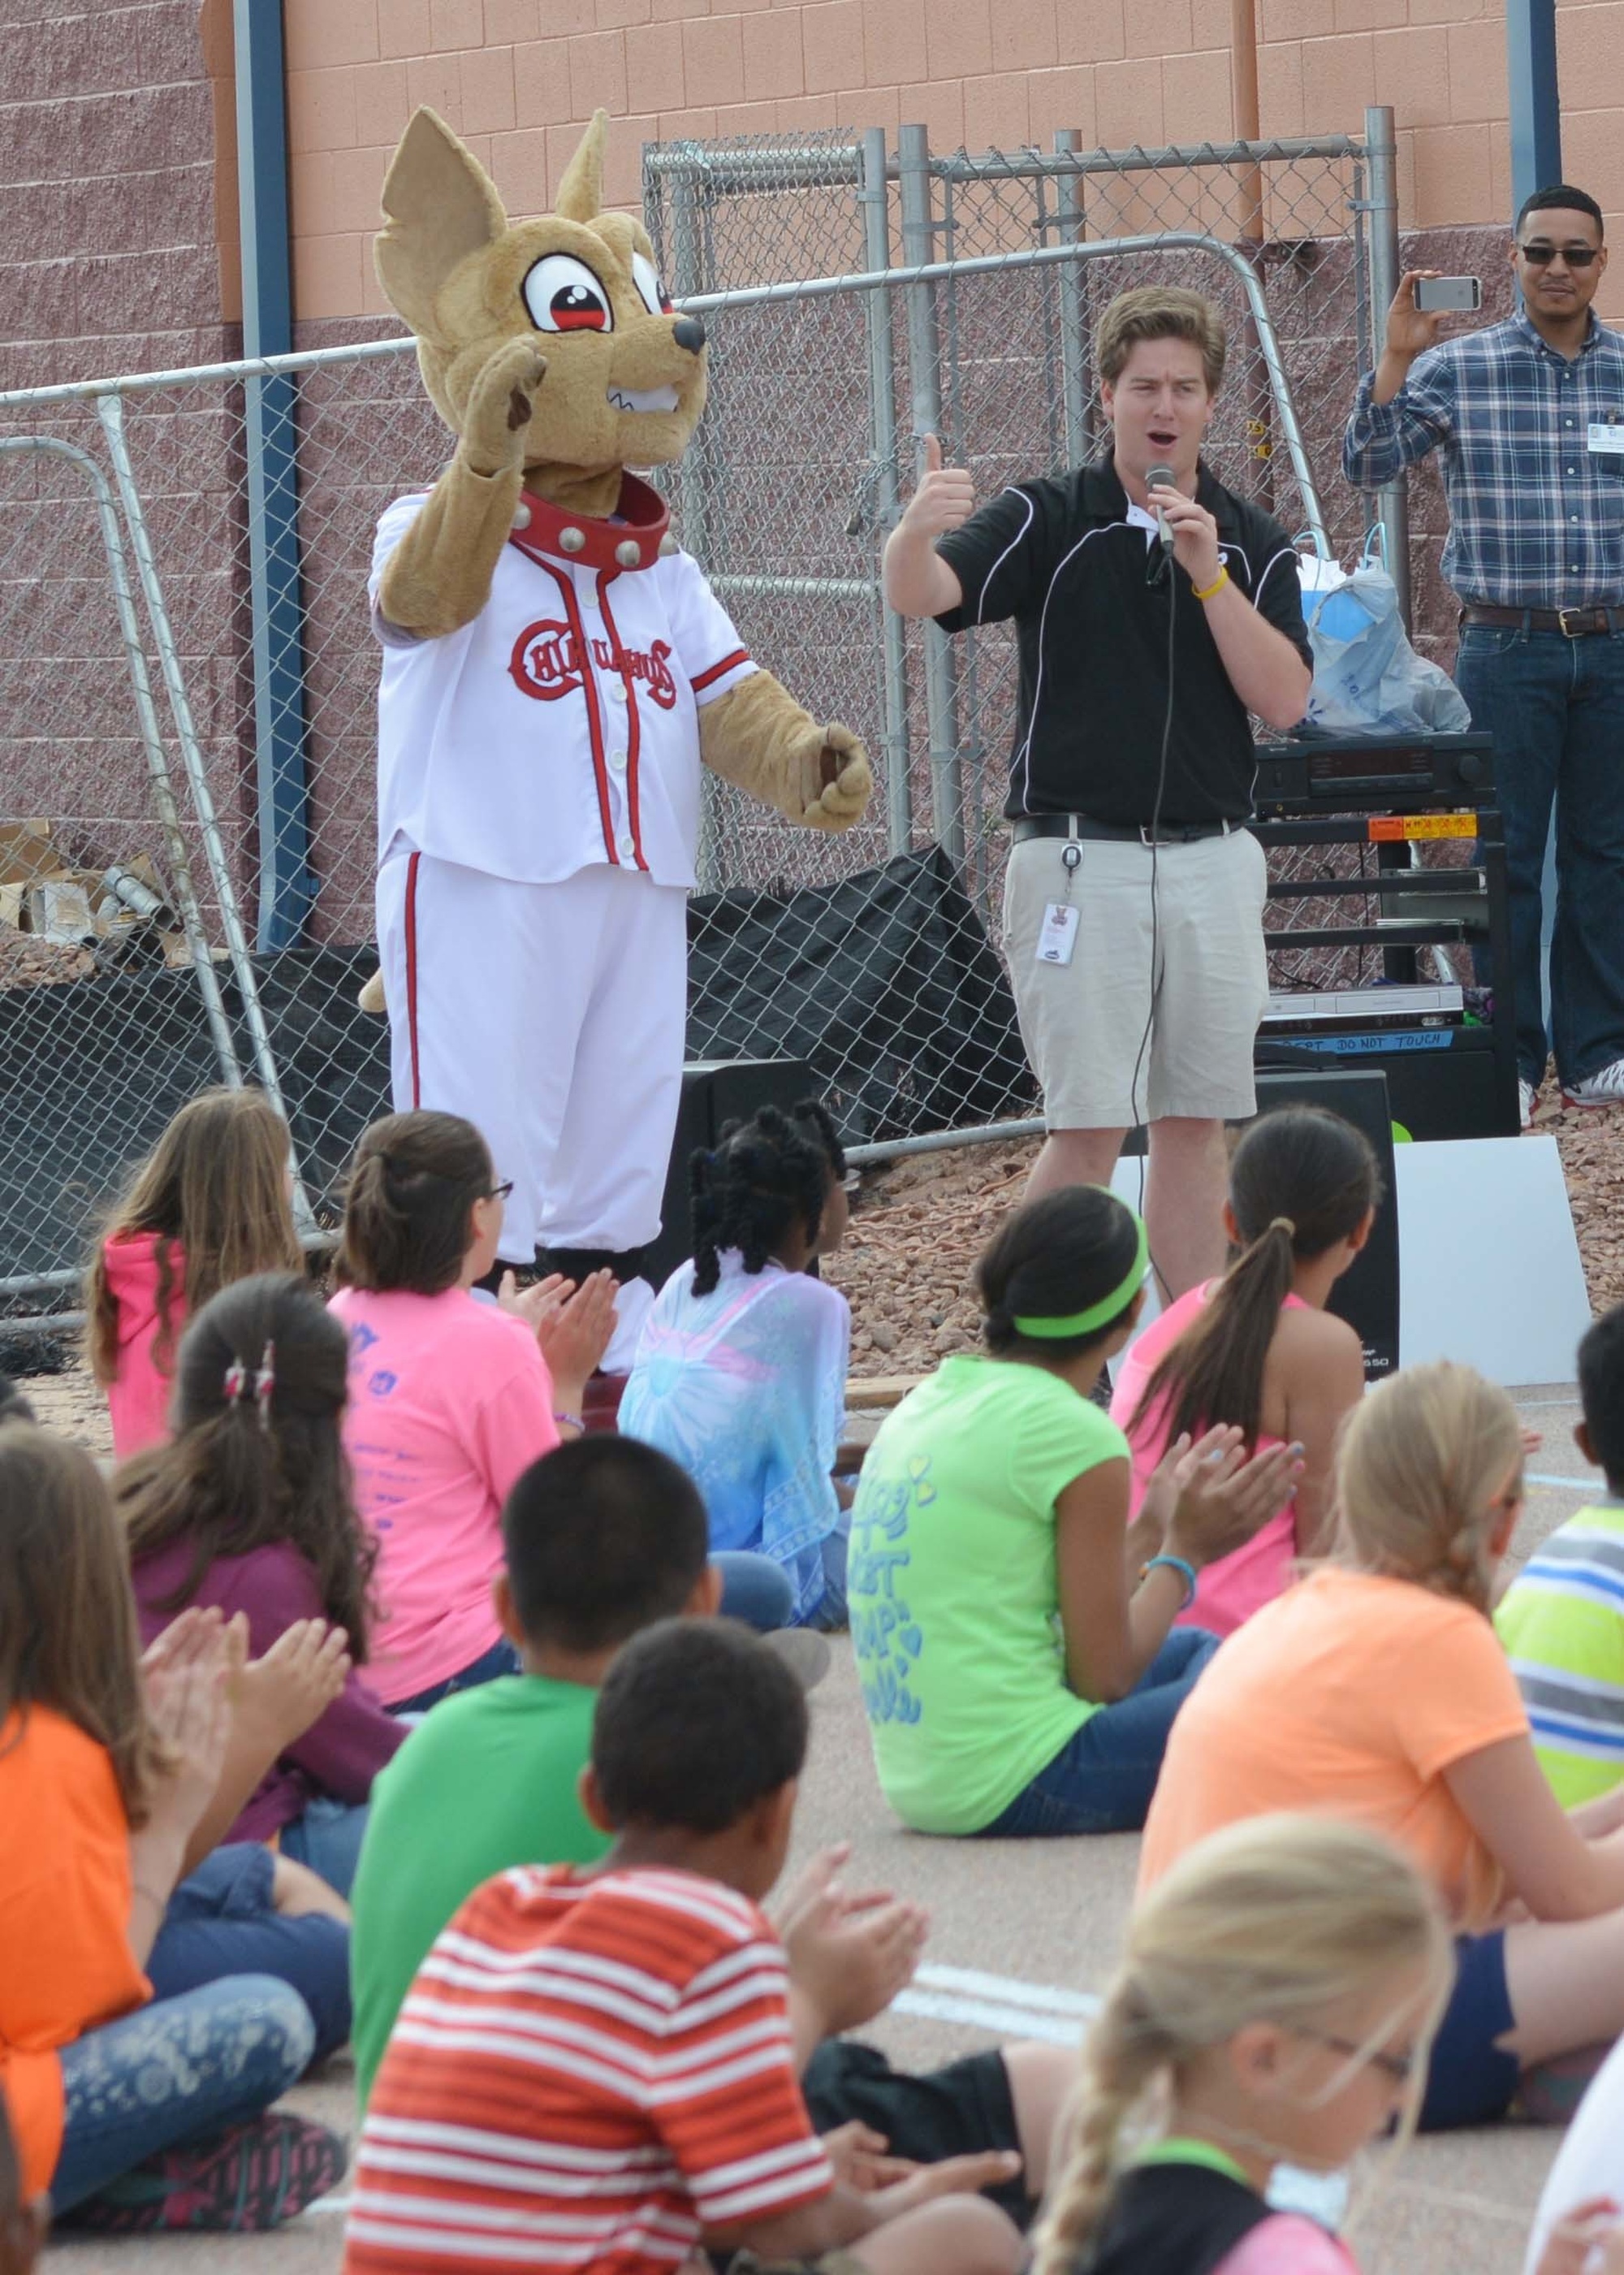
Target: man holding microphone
column 1154, row 610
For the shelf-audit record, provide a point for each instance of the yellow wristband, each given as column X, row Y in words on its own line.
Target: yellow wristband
column 1216, row 585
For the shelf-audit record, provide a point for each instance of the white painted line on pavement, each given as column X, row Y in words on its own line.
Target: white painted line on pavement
column 1006, row 2022
column 1565, row 1485
column 1011, row 1989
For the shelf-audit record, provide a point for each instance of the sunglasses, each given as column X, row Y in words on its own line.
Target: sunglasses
column 500, row 1193
column 1576, row 256
column 1399, row 2068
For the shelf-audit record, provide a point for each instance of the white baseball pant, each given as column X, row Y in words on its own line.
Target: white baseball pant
column 553, row 1017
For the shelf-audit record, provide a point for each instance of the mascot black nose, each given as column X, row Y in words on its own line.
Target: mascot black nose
column 689, row 333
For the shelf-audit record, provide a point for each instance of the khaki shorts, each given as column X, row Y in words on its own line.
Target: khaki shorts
column 1084, row 1023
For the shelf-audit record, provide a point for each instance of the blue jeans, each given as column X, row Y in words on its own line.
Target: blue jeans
column 754, row 1590
column 1555, row 707
column 500, row 1659
column 327, row 1838
column 178, row 2070
column 221, row 1922
column 831, row 1611
column 1101, row 1780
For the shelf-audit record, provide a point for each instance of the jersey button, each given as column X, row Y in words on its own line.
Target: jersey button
column 628, row 849
column 617, row 687
column 617, row 762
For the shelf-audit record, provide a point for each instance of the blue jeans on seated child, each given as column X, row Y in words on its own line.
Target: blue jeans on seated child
column 327, row 1838
column 500, row 1659
column 176, row 2071
column 222, row 1920
column 1101, row 1780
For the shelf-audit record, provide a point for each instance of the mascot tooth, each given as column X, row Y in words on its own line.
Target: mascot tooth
column 555, row 670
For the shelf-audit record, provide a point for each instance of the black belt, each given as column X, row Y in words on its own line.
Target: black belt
column 1114, row 833
column 1574, row 622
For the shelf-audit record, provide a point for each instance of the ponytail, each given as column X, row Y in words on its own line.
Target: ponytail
column 1124, row 2055
column 407, row 1208
column 1426, row 1463
column 1301, row 1180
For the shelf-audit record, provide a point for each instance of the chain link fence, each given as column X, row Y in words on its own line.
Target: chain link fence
column 190, row 676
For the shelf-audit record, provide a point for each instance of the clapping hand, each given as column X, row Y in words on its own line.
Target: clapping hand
column 1587, row 2240
column 1219, row 1498
column 850, row 1954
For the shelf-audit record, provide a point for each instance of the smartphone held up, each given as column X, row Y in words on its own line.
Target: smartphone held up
column 1448, row 295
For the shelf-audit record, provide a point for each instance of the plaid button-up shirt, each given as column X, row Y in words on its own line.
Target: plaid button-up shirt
column 1535, row 517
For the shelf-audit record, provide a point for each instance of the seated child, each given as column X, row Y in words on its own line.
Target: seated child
column 450, row 1399
column 1274, row 2004
column 600, row 1539
column 249, row 1507
column 132, row 2112
column 211, row 1203
column 603, row 1538
column 1018, row 1680
column 740, row 1374
column 1378, row 1689
column 1258, row 1349
column 1562, row 1618
column 509, row 2070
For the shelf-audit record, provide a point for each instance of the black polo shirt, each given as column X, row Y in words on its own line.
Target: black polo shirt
column 1062, row 558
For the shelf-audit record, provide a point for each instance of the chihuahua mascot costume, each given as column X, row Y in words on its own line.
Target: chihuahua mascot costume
column 556, row 672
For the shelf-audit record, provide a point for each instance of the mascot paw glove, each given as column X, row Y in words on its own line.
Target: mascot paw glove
column 839, row 783
column 496, row 424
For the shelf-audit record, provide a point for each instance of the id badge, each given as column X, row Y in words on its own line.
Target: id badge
column 1058, row 937
column 1605, row 440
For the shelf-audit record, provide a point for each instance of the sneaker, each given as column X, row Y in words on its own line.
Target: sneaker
column 1526, row 1095
column 239, row 2182
column 1604, row 1087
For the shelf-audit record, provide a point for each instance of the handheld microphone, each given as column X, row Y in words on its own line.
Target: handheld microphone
column 1157, row 478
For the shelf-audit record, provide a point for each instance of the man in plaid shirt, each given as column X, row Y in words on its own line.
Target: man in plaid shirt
column 1528, row 418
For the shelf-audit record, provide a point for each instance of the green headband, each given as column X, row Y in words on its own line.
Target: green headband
column 1084, row 1323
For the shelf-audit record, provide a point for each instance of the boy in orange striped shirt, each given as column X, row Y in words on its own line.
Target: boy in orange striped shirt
column 595, row 2070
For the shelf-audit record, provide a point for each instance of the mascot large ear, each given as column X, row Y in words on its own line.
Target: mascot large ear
column 580, row 193
column 439, row 206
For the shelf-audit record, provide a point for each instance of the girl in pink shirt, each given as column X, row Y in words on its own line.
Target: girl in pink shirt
column 211, row 1203
column 450, row 1396
column 1275, row 2005
column 1258, row 1350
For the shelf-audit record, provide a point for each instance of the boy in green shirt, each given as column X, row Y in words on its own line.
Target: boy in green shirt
column 602, row 1537
column 1562, row 1620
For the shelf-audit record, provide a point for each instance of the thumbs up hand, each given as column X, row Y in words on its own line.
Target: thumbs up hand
column 946, row 497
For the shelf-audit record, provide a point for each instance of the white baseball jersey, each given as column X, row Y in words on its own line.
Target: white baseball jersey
column 561, row 727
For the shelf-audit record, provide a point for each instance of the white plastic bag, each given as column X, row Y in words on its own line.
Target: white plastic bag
column 1368, row 679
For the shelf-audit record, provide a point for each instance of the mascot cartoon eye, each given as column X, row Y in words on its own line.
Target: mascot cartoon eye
column 645, row 276
column 563, row 295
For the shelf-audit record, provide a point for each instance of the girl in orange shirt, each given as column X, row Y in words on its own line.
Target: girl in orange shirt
column 1377, row 1689
column 133, row 2112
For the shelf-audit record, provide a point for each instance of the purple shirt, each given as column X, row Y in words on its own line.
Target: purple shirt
column 343, row 1751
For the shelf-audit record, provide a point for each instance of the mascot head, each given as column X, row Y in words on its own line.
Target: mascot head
column 625, row 371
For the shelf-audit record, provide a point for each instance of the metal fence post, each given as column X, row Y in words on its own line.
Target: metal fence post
column 925, row 378
column 687, row 278
column 873, row 196
column 1381, row 152
column 1073, row 305
column 109, row 411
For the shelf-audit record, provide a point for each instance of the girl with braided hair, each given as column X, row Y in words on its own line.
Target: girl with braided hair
column 1273, row 2006
column 741, row 1372
column 1258, row 1349
column 1377, row 1689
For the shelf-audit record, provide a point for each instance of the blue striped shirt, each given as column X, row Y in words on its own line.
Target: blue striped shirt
column 1535, row 517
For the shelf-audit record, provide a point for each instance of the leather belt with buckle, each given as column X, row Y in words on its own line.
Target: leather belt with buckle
column 1575, row 623
column 1112, row 832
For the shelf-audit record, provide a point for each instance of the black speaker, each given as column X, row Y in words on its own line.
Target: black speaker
column 715, row 1092
column 1367, row 1295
